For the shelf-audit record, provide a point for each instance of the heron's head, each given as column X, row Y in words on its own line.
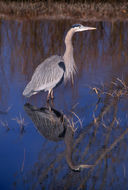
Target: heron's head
column 80, row 28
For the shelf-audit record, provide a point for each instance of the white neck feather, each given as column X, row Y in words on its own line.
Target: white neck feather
column 68, row 57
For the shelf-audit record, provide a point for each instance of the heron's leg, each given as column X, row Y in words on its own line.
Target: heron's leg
column 48, row 96
column 52, row 96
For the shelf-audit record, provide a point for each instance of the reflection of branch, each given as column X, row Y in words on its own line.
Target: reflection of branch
column 105, row 153
column 112, row 146
column 51, row 165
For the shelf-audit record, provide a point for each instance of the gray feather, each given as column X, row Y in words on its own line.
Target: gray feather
column 46, row 76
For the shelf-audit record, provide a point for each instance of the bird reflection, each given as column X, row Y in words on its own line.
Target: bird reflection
column 54, row 126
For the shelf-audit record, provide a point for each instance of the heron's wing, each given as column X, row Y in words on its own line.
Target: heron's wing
column 48, row 74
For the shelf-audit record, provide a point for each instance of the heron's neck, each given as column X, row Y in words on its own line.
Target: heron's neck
column 69, row 47
column 68, row 56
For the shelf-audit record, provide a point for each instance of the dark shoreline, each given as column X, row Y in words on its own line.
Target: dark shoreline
column 78, row 11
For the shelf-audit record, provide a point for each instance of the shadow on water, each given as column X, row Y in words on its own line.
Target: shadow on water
column 91, row 124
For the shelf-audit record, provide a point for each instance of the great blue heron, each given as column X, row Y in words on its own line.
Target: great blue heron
column 51, row 72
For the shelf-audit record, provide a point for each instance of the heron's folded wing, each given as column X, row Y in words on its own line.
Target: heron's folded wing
column 48, row 74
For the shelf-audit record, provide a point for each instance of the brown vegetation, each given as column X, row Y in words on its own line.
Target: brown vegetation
column 85, row 10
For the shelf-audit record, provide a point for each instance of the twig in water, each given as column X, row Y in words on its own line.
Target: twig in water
column 22, row 167
column 122, row 82
column 79, row 120
column 5, row 124
column 21, row 123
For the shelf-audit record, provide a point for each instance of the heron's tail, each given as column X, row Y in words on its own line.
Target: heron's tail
column 28, row 91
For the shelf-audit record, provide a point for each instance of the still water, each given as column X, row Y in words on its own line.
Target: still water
column 41, row 147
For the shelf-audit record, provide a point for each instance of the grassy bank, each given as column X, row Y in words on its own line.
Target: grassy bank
column 88, row 10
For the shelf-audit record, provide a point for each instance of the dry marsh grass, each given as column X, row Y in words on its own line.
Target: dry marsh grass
column 99, row 10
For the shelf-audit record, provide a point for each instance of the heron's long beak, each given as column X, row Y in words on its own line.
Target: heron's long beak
column 86, row 28
column 90, row 28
